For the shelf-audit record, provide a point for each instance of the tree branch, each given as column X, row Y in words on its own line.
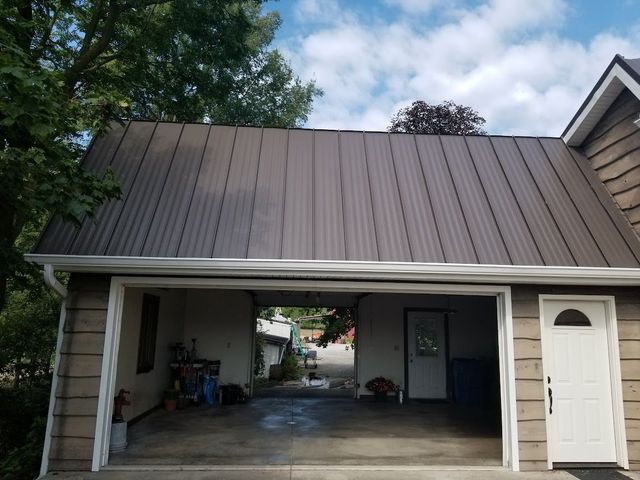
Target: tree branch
column 92, row 26
column 42, row 45
column 102, row 61
column 90, row 51
column 109, row 58
column 144, row 3
column 25, row 10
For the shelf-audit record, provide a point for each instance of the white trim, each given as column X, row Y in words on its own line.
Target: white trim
column 611, row 322
column 44, row 465
column 616, row 384
column 614, row 83
column 343, row 286
column 396, row 271
column 508, row 377
column 114, row 319
column 108, row 374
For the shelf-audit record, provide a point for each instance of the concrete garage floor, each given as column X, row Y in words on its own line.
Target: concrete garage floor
column 328, row 474
column 310, row 431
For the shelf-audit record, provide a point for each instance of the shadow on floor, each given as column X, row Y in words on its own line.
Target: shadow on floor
column 295, row 392
column 313, row 431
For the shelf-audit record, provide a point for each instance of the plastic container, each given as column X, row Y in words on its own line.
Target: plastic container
column 118, row 441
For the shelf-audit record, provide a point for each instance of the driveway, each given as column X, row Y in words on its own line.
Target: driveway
column 335, row 361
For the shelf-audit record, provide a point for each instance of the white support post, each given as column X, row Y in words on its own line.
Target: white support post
column 44, row 465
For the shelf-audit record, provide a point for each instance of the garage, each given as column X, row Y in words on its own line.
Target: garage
column 441, row 350
column 493, row 280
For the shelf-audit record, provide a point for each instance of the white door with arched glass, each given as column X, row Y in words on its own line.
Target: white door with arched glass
column 577, row 382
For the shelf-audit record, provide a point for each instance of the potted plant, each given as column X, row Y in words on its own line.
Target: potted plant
column 171, row 400
column 381, row 386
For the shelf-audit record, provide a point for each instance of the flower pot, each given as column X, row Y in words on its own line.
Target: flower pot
column 170, row 404
column 380, row 396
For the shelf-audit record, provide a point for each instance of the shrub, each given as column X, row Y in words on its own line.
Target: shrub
column 28, row 326
column 290, row 368
column 22, row 423
column 258, row 359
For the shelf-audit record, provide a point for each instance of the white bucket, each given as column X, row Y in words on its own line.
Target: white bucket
column 118, row 442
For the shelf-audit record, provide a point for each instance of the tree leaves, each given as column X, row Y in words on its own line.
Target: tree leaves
column 68, row 69
column 337, row 323
column 447, row 118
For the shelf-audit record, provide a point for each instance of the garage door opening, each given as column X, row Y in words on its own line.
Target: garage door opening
column 441, row 353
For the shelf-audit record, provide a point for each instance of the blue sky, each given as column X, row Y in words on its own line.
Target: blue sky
column 525, row 65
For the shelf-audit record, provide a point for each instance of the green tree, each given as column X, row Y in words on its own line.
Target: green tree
column 447, row 118
column 258, row 358
column 296, row 312
column 69, row 67
column 337, row 323
column 28, row 328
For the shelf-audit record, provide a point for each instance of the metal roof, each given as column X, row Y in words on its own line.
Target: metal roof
column 214, row 191
column 634, row 65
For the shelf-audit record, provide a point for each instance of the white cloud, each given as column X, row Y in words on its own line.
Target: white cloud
column 319, row 12
column 505, row 58
column 413, row 6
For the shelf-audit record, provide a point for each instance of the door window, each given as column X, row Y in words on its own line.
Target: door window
column 571, row 318
column 426, row 341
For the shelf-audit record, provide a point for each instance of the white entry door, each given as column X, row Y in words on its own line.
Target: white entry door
column 578, row 382
column 426, row 355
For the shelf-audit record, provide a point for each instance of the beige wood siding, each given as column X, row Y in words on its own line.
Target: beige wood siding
column 76, row 397
column 529, row 376
column 613, row 148
column 628, row 312
column 532, row 435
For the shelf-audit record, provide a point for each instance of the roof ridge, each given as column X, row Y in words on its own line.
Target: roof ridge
column 337, row 130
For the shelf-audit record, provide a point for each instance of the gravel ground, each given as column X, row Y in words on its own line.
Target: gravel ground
column 334, row 361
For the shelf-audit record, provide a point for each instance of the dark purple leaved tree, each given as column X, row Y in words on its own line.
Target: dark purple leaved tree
column 447, row 118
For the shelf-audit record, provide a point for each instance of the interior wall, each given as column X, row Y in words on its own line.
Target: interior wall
column 472, row 332
column 147, row 388
column 222, row 321
column 473, row 329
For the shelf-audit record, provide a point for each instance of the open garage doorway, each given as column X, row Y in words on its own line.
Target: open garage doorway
column 455, row 417
column 305, row 352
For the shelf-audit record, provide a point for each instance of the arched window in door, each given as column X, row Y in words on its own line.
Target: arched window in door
column 572, row 318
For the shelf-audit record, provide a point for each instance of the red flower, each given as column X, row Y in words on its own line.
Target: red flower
column 381, row 385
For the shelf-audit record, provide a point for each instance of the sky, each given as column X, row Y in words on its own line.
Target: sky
column 525, row 65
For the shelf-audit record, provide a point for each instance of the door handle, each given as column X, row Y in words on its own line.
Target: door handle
column 550, row 401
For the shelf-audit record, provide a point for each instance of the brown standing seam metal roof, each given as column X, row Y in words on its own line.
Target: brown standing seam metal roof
column 212, row 191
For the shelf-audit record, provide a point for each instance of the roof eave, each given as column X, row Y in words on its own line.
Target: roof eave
column 341, row 270
column 618, row 76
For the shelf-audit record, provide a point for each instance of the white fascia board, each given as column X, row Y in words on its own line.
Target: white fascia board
column 607, row 93
column 322, row 269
